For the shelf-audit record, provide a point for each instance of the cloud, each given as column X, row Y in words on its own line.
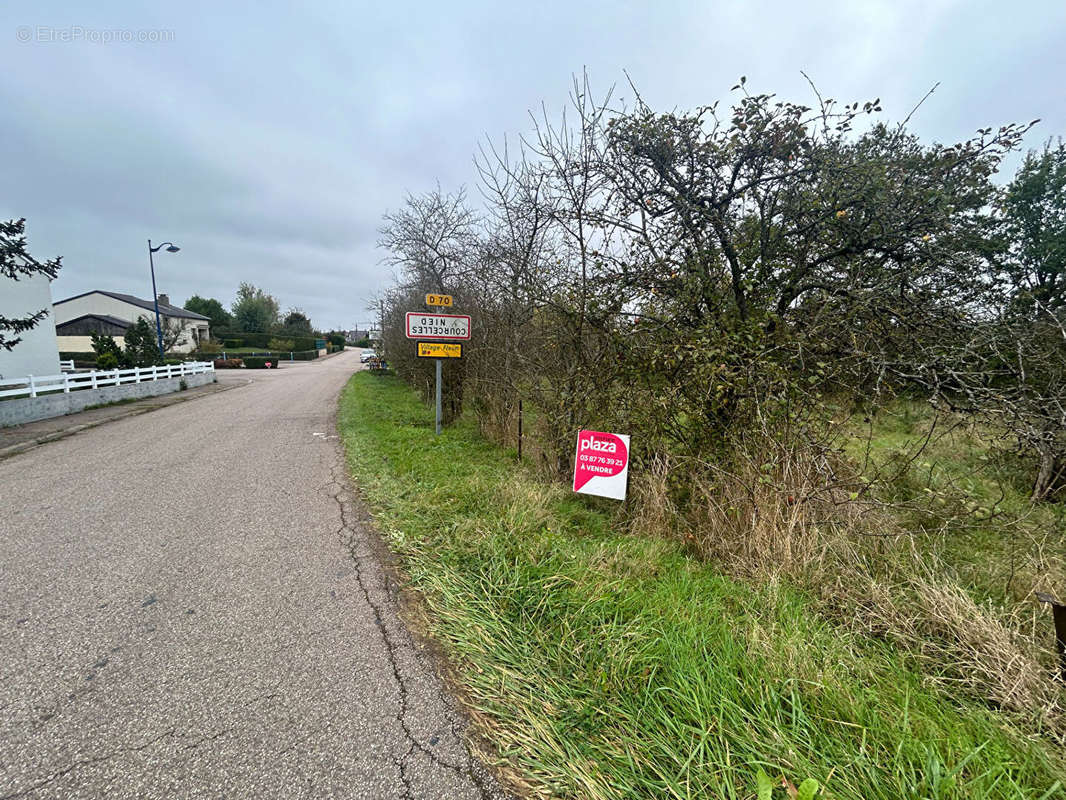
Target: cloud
column 268, row 141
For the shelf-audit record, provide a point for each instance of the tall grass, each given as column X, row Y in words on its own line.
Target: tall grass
column 605, row 663
column 785, row 515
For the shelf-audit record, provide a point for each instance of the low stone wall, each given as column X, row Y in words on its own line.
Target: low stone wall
column 27, row 409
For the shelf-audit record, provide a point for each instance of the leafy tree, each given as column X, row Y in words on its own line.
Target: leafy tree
column 281, row 345
column 1010, row 366
column 221, row 320
column 142, row 346
column 786, row 214
column 1035, row 221
column 15, row 262
column 108, row 354
column 255, row 311
column 297, row 323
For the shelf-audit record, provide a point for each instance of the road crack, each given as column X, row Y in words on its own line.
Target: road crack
column 380, row 597
column 85, row 762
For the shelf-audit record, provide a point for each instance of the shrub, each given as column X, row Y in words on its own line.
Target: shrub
column 281, row 345
column 263, row 340
column 228, row 363
column 104, row 345
column 142, row 346
column 107, row 361
column 209, row 347
column 260, row 362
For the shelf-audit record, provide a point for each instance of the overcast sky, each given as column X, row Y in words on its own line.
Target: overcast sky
column 268, row 139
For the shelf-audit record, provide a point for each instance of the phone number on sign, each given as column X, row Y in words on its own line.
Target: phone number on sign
column 610, row 462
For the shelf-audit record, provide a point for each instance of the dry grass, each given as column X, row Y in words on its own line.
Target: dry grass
column 805, row 520
column 980, row 648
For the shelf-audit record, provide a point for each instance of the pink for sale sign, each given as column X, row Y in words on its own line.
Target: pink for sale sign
column 601, row 466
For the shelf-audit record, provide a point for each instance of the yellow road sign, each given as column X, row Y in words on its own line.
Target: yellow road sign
column 443, row 300
column 439, row 350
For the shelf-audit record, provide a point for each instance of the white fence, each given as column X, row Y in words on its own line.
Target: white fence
column 34, row 385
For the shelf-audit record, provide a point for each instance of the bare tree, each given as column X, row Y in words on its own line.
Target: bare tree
column 430, row 239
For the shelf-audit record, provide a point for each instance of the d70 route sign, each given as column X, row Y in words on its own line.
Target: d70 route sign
column 442, row 327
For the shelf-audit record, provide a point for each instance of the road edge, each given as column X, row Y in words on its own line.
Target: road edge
column 411, row 610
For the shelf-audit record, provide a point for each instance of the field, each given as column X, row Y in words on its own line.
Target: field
column 604, row 663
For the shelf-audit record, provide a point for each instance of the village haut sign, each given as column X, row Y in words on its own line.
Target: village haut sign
column 439, row 350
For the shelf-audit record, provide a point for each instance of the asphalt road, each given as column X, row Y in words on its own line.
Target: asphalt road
column 191, row 607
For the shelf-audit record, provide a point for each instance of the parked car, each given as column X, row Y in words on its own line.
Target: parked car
column 367, row 355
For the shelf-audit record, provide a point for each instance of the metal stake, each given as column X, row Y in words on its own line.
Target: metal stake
column 1058, row 611
column 438, row 396
column 519, row 428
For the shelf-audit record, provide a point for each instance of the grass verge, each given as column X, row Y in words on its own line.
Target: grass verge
column 611, row 665
column 125, row 401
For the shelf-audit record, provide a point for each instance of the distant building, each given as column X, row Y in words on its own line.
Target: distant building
column 112, row 313
column 36, row 353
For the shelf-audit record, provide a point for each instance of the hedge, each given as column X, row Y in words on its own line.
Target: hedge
column 305, row 355
column 260, row 362
column 263, row 340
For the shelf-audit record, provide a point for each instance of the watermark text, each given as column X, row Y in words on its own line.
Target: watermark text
column 69, row 34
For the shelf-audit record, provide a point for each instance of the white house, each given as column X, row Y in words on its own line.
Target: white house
column 110, row 312
column 36, row 353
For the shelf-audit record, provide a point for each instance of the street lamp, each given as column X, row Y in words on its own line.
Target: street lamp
column 171, row 248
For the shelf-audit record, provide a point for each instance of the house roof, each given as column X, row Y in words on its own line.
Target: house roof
column 121, row 323
column 166, row 309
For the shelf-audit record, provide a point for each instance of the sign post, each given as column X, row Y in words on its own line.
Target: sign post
column 439, row 329
column 439, row 362
column 601, row 464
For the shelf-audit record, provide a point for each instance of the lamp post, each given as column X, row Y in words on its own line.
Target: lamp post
column 171, row 248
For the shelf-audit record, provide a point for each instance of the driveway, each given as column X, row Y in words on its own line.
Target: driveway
column 191, row 607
